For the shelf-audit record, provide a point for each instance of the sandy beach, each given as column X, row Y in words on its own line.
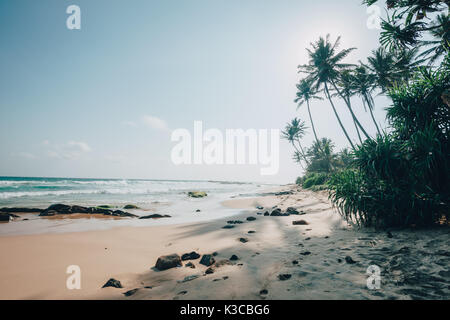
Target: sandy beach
column 323, row 259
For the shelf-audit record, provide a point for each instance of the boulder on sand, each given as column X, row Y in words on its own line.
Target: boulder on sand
column 112, row 283
column 167, row 262
column 207, row 260
column 300, row 223
column 190, row 256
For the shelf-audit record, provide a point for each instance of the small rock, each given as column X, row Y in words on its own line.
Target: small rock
column 235, row 222
column 112, row 283
column 276, row 213
column 300, row 223
column 284, row 277
column 215, row 253
column 228, row 226
column 251, row 218
column 292, row 210
column 243, row 240
column 263, row 292
column 305, row 253
column 207, row 260
column 167, row 262
column 349, row 260
column 295, row 262
column 197, row 194
column 182, row 293
column 209, row 270
column 155, row 216
column 190, row 256
column 130, row 292
column 251, row 231
column 308, row 238
column 190, row 265
column 234, row 257
column 266, row 213
column 339, row 260
column 225, row 278
column 389, row 234
column 259, row 208
column 198, row 210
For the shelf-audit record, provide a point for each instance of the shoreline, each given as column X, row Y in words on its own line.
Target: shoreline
column 414, row 264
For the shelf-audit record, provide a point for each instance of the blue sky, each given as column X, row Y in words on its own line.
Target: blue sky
column 101, row 101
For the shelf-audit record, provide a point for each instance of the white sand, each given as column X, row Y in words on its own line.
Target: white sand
column 414, row 264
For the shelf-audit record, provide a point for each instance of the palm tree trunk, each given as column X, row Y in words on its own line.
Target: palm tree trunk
column 301, row 152
column 357, row 131
column 313, row 128
column 349, row 106
column 370, row 105
column 337, row 116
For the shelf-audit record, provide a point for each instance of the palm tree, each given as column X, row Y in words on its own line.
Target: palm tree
column 345, row 89
column 381, row 63
column 324, row 66
column 441, row 43
column 363, row 84
column 305, row 93
column 322, row 161
column 294, row 132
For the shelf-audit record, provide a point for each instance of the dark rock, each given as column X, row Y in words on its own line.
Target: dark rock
column 228, row 226
column 259, row 208
column 307, row 238
column 225, row 277
column 263, row 292
column 234, row 257
column 276, row 213
column 300, row 223
column 21, row 210
column 243, row 240
column 207, row 260
column 120, row 213
column 259, row 213
column 292, row 210
column 80, row 209
column 189, row 278
column 215, row 253
column 295, row 262
column 305, row 253
column 155, row 216
column 112, row 283
column 349, row 260
column 266, row 213
column 251, row 218
column 5, row 217
column 190, row 265
column 190, row 256
column 130, row 292
column 182, row 293
column 198, row 210
column 58, row 208
column 251, row 231
column 209, row 270
column 284, row 277
column 235, row 222
column 167, row 262
column 131, row 206
column 339, row 260
column 389, row 234
column 283, row 193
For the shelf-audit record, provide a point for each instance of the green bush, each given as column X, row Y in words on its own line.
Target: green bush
column 402, row 178
column 314, row 179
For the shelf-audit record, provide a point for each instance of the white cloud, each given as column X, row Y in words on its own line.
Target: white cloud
column 69, row 150
column 82, row 146
column 129, row 123
column 155, row 123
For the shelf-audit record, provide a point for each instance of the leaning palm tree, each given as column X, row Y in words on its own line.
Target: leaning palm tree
column 305, row 93
column 363, row 85
column 323, row 68
column 440, row 44
column 294, row 132
column 381, row 63
column 345, row 88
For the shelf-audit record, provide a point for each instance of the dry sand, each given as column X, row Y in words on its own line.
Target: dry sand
column 414, row 264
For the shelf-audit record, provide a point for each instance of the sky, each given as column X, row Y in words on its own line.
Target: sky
column 102, row 101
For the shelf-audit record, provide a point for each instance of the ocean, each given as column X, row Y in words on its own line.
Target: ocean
column 151, row 196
